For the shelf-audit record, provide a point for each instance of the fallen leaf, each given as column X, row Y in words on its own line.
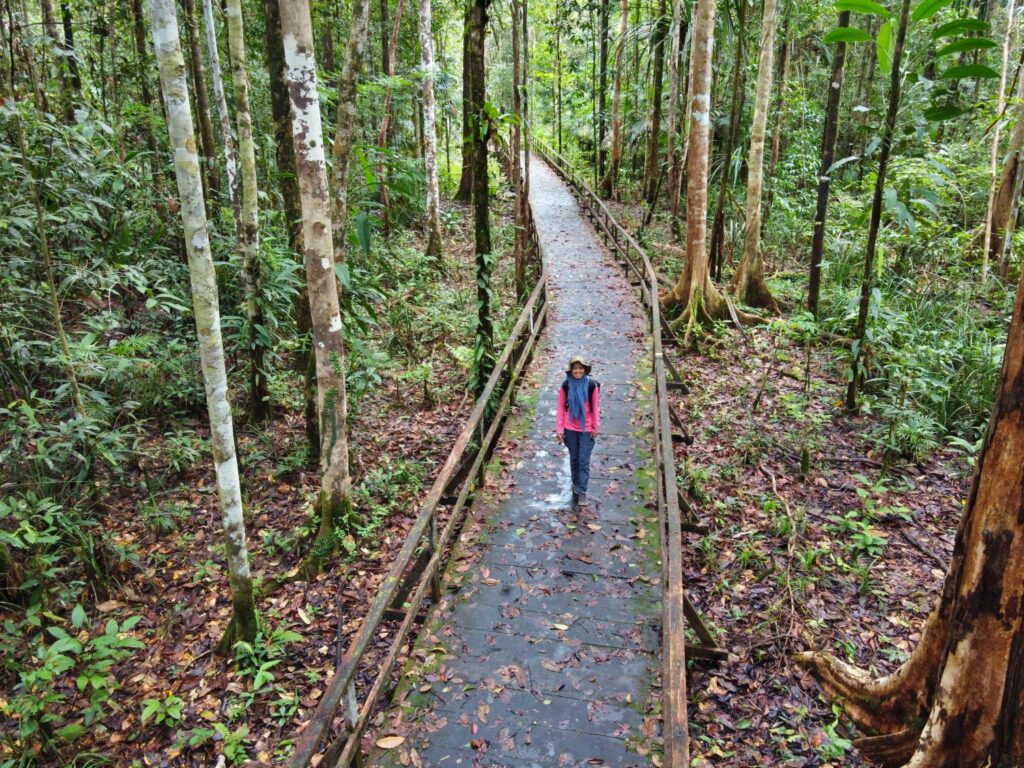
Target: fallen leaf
column 390, row 742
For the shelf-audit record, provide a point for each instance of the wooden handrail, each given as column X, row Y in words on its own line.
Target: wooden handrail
column 675, row 725
column 513, row 358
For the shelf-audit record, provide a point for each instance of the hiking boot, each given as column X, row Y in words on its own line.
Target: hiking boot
column 581, row 500
column 575, row 497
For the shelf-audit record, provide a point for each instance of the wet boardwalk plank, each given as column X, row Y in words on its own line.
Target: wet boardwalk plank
column 544, row 651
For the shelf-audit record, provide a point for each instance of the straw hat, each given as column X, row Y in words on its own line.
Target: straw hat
column 578, row 359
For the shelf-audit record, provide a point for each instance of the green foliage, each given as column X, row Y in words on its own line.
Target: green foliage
column 40, row 656
column 167, row 711
column 255, row 660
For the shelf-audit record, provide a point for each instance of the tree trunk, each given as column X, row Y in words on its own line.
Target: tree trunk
column 61, row 57
column 780, row 111
column 672, row 161
column 558, row 81
column 285, row 156
column 516, row 165
column 434, row 243
column 142, row 61
column 748, row 281
column 164, row 22
column 828, row 153
column 524, row 102
column 994, row 152
column 876, row 210
column 249, row 243
column 1002, row 197
column 957, row 702
column 484, row 357
column 344, row 132
column 209, row 146
column 602, row 87
column 739, row 94
column 651, row 165
column 317, row 241
column 385, row 43
column 75, row 79
column 464, row 193
column 327, row 62
column 115, row 87
column 385, row 121
column 608, row 185
column 694, row 293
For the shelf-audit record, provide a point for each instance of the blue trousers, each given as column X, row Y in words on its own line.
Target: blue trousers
column 580, row 445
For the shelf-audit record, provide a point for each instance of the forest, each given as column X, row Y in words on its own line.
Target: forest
column 279, row 283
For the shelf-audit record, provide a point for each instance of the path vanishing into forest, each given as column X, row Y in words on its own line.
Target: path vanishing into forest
column 545, row 648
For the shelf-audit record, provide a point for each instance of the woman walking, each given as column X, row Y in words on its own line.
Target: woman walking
column 579, row 419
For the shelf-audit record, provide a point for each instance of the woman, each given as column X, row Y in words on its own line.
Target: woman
column 579, row 419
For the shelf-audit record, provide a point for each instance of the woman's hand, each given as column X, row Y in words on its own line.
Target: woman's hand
column 593, row 435
column 559, row 437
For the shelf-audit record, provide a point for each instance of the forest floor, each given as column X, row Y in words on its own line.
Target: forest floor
column 848, row 556
column 170, row 573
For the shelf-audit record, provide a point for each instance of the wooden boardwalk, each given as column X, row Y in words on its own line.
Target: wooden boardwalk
column 545, row 648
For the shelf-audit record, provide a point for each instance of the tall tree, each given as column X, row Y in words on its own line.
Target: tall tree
column 434, row 245
column 74, row 78
column 828, row 152
column 748, row 280
column 141, row 64
column 524, row 99
column 484, row 351
column 249, row 246
column 516, row 155
column 675, row 160
column 60, row 55
column 226, row 136
column 611, row 178
column 652, row 153
column 317, row 241
column 694, row 292
column 286, row 175
column 464, row 193
column 1001, row 196
column 205, row 305
column 888, row 130
column 198, row 71
column 994, row 152
column 957, row 701
column 602, row 87
column 732, row 137
column 780, row 112
column 345, row 125
column 1007, row 204
column 385, row 120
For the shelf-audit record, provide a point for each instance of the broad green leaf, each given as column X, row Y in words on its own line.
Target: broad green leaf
column 846, row 35
column 886, row 47
column 959, row 26
column 840, row 163
column 938, row 114
column 78, row 617
column 969, row 70
column 928, row 8
column 364, row 232
column 862, row 6
column 968, row 44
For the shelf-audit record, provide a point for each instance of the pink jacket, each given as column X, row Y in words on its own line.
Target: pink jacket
column 591, row 415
